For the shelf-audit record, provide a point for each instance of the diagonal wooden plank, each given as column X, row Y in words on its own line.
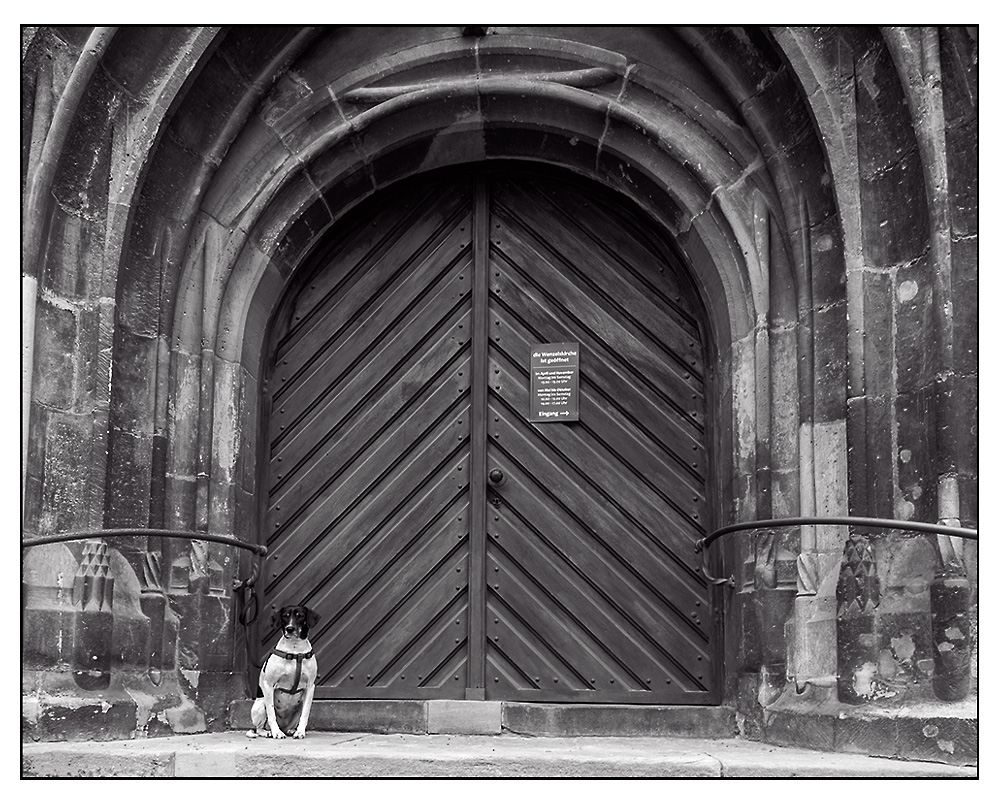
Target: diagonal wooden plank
column 618, row 620
column 562, row 481
column 380, row 345
column 578, row 252
column 533, row 614
column 363, row 594
column 357, row 272
column 644, row 593
column 625, row 243
column 370, row 491
column 416, row 393
column 418, row 597
column 529, row 267
column 609, row 483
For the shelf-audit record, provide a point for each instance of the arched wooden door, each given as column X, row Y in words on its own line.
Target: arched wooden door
column 453, row 547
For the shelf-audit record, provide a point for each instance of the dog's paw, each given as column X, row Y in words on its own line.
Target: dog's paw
column 251, row 733
column 278, row 734
column 299, row 734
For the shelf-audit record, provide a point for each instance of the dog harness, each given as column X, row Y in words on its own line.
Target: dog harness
column 298, row 668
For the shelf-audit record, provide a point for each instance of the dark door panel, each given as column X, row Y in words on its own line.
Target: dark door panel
column 401, row 375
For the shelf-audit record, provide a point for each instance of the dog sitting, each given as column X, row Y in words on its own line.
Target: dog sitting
column 287, row 679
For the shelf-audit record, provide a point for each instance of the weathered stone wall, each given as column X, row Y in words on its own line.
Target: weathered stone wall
column 820, row 183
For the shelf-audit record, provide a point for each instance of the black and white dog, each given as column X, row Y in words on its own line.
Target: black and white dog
column 287, row 679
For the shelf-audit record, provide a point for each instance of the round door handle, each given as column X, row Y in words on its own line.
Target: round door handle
column 496, row 476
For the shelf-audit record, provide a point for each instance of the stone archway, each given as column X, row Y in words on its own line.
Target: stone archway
column 735, row 240
column 736, row 142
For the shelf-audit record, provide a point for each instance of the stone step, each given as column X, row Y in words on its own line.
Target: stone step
column 491, row 718
column 326, row 754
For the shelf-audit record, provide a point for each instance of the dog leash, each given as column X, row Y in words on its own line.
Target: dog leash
column 248, row 607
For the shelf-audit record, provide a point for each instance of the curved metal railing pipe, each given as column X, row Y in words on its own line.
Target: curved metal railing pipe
column 103, row 533
column 703, row 544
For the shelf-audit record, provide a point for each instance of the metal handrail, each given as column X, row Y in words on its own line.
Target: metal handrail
column 30, row 542
column 102, row 533
column 860, row 522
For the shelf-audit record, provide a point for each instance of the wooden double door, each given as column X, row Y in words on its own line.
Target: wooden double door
column 452, row 547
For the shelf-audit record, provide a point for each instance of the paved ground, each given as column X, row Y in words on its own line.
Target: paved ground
column 320, row 754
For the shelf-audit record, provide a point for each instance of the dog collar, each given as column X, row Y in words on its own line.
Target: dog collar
column 285, row 655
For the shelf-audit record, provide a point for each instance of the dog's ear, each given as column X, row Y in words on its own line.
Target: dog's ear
column 276, row 619
column 312, row 618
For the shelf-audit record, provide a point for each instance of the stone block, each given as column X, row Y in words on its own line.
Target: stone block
column 894, row 219
column 209, row 105
column 55, row 353
column 916, row 354
column 746, row 47
column 464, row 717
column 803, row 731
column 74, row 258
column 387, row 717
column 80, row 184
column 419, row 117
column 142, row 55
column 66, row 489
column 879, row 299
column 830, row 457
column 619, row 720
column 830, row 363
column 461, row 142
column 948, row 740
column 829, row 276
column 966, row 432
column 252, row 159
column 83, row 718
column 134, row 393
column 868, row 736
column 129, row 479
column 965, row 301
column 87, row 764
column 205, row 764
column 299, row 238
column 879, row 458
column 916, row 447
column 963, row 177
column 813, row 638
column 289, row 203
column 249, row 48
column 800, row 170
column 857, row 467
column 885, row 128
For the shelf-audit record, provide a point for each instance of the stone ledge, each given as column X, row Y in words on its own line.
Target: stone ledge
column 619, row 720
column 320, row 754
column 928, row 731
column 493, row 717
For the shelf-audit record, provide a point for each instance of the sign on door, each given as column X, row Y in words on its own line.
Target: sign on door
column 555, row 383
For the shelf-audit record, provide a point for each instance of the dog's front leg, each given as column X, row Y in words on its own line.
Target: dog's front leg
column 272, row 719
column 307, row 700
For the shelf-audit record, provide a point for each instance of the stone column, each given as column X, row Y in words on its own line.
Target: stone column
column 93, row 591
column 857, row 646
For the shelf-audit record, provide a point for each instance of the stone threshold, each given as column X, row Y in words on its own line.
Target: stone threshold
column 441, row 716
column 932, row 732
column 325, row 754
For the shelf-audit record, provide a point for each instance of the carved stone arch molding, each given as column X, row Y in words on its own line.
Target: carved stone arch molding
column 670, row 121
column 261, row 139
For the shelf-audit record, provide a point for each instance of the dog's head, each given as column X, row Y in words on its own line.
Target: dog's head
column 295, row 621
